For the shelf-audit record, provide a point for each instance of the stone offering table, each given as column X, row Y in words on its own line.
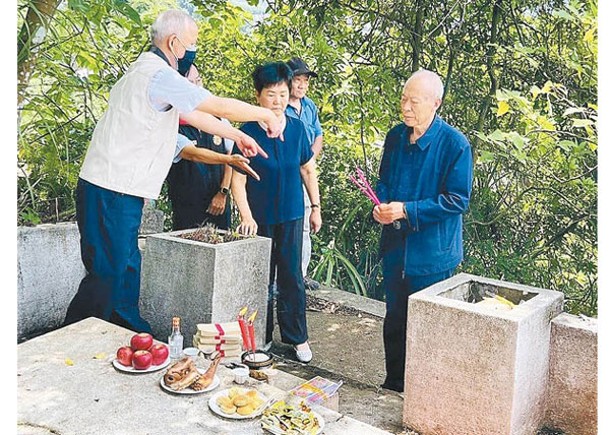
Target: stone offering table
column 68, row 385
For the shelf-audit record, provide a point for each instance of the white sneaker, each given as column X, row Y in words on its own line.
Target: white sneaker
column 304, row 355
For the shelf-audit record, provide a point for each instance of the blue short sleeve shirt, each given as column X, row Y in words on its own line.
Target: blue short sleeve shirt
column 309, row 115
column 278, row 196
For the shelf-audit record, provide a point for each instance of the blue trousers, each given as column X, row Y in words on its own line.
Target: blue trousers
column 398, row 287
column 108, row 223
column 286, row 267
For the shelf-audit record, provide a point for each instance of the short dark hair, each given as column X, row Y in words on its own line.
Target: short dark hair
column 270, row 74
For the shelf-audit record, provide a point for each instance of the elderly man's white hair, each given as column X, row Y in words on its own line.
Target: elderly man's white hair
column 169, row 22
column 432, row 79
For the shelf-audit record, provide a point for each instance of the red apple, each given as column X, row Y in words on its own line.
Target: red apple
column 142, row 359
column 141, row 341
column 159, row 352
column 124, row 355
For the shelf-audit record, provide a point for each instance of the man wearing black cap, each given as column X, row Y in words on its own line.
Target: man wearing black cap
column 303, row 108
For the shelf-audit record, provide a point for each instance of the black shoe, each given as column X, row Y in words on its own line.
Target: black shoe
column 393, row 385
column 310, row 284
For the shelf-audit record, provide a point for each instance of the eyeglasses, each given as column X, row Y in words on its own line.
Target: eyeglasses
column 193, row 47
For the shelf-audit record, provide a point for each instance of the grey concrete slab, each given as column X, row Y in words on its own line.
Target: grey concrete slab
column 572, row 404
column 49, row 271
column 67, row 384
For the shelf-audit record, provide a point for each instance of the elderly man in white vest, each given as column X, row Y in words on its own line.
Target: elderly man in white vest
column 130, row 154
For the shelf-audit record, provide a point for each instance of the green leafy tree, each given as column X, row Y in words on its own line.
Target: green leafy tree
column 87, row 47
column 520, row 82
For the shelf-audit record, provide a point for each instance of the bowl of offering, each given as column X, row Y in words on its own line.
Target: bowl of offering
column 258, row 359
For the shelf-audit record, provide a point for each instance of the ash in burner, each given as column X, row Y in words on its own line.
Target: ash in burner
column 256, row 357
column 209, row 233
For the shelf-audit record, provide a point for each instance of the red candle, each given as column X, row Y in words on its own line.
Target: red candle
column 243, row 328
column 251, row 332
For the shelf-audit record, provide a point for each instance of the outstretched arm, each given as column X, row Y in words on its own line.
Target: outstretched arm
column 203, row 155
column 248, row 225
column 212, row 125
column 236, row 110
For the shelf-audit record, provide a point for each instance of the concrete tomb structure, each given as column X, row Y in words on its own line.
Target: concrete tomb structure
column 573, row 377
column 477, row 357
column 203, row 283
column 483, row 356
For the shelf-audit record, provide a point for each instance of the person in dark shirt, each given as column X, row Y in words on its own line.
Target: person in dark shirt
column 424, row 187
column 199, row 192
column 274, row 206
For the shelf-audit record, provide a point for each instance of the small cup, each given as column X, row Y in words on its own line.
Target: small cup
column 240, row 375
column 192, row 352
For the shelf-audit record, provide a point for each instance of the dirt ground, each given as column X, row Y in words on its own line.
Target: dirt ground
column 347, row 346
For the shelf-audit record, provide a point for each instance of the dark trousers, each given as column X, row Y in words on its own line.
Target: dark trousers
column 398, row 288
column 108, row 223
column 286, row 267
column 186, row 216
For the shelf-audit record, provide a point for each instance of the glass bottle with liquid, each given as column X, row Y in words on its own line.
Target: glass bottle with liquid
column 176, row 340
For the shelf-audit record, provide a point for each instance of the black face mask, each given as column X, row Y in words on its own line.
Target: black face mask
column 185, row 63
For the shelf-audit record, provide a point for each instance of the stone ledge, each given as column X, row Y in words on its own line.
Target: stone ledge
column 350, row 300
column 573, row 374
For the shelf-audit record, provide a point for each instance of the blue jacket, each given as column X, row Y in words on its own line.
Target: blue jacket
column 433, row 177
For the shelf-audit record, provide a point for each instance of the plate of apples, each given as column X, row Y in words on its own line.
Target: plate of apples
column 142, row 355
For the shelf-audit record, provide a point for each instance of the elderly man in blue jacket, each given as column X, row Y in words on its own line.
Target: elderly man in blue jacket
column 424, row 187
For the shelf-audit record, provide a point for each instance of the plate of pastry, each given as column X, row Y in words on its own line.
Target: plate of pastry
column 238, row 403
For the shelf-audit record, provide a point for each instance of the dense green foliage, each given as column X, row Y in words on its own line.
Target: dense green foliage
column 520, row 82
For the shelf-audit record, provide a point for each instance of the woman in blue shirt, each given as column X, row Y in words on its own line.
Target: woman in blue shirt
column 274, row 206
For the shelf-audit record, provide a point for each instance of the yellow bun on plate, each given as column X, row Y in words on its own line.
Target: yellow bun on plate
column 241, row 400
column 224, row 401
column 228, row 409
column 235, row 391
column 245, row 410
